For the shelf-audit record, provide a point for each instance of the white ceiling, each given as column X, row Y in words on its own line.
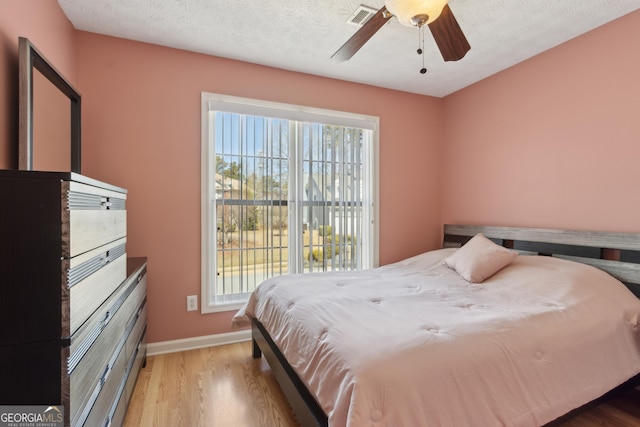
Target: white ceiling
column 301, row 35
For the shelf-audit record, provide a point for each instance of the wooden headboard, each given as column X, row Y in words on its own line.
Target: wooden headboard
column 616, row 253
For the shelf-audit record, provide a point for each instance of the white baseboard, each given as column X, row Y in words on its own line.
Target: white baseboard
column 184, row 344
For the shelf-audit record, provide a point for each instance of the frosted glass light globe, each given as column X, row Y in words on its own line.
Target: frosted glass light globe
column 405, row 10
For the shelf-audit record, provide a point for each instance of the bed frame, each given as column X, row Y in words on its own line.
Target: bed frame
column 616, row 253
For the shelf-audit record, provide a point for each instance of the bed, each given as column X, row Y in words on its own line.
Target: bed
column 436, row 340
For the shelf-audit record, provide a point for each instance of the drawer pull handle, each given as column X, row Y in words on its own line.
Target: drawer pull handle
column 107, row 318
column 138, row 313
column 105, row 203
column 105, row 375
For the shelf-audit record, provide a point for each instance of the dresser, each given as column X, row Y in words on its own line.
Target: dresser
column 72, row 305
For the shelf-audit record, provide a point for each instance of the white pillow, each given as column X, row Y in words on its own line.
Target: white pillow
column 479, row 259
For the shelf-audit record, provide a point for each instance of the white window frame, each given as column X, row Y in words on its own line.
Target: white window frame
column 211, row 102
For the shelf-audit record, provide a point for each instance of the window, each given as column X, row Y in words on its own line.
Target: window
column 285, row 189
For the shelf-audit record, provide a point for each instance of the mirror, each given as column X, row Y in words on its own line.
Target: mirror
column 49, row 128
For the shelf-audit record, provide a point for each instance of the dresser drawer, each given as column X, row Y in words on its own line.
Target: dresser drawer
column 92, row 278
column 87, row 334
column 140, row 292
column 111, row 381
column 125, row 390
column 136, row 362
column 91, row 217
column 90, row 369
column 136, row 327
column 118, row 415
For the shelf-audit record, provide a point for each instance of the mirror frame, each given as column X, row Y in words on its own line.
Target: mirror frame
column 29, row 59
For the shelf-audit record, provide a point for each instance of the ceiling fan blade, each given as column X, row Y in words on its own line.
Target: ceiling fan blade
column 362, row 35
column 451, row 41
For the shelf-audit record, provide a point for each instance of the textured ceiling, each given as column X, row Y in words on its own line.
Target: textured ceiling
column 301, row 35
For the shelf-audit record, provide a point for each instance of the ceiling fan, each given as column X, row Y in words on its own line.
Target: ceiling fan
column 451, row 41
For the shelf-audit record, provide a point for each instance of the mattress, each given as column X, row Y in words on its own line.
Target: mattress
column 412, row 343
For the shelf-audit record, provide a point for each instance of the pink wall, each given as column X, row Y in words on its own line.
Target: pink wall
column 141, row 130
column 44, row 23
column 553, row 141
column 51, row 130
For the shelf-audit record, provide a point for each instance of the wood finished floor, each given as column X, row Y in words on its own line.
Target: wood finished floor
column 224, row 386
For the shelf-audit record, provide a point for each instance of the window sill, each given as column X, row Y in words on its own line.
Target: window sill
column 217, row 308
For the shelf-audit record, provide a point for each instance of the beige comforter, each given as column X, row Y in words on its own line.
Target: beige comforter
column 413, row 344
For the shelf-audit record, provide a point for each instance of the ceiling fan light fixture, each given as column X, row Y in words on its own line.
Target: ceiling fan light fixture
column 419, row 20
column 411, row 12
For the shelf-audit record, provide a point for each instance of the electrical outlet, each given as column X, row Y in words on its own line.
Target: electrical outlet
column 192, row 302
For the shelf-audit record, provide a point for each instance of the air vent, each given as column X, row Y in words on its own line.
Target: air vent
column 361, row 15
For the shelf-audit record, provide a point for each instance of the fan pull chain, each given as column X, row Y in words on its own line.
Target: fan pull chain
column 421, row 47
